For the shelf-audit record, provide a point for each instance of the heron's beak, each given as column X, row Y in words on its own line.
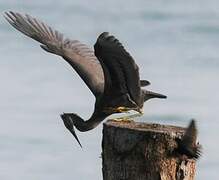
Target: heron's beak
column 70, row 126
column 75, row 136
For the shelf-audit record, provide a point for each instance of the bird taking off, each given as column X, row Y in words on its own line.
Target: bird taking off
column 187, row 145
column 109, row 71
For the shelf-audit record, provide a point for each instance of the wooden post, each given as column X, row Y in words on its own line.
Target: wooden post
column 142, row 151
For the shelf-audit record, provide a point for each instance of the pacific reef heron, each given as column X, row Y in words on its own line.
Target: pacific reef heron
column 109, row 71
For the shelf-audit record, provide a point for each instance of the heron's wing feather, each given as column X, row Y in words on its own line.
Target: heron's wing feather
column 78, row 55
column 122, row 69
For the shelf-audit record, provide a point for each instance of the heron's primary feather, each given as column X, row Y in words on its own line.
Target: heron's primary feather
column 78, row 55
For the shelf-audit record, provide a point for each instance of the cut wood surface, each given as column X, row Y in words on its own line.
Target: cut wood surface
column 143, row 151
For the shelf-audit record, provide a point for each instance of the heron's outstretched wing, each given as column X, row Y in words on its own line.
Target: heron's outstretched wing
column 78, row 55
column 120, row 65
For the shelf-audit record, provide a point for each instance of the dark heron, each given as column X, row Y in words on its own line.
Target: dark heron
column 187, row 145
column 109, row 71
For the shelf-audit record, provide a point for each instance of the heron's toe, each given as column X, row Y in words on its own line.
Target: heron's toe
column 123, row 120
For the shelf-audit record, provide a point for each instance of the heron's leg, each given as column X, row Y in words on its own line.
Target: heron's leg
column 122, row 109
column 119, row 109
column 128, row 118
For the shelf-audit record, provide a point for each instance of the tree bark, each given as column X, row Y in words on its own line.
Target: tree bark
column 143, row 151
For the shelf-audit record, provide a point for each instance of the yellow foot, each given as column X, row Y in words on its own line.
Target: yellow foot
column 122, row 109
column 128, row 118
column 119, row 109
column 123, row 120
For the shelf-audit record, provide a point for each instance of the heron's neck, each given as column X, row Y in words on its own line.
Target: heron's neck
column 91, row 123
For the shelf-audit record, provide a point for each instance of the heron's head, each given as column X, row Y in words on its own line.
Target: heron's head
column 69, row 122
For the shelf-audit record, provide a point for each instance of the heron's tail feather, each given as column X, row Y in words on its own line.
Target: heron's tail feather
column 149, row 94
column 144, row 83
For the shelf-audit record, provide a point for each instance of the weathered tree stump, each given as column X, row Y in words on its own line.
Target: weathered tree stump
column 142, row 151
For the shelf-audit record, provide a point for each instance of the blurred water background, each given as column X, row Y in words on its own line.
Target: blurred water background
column 175, row 43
